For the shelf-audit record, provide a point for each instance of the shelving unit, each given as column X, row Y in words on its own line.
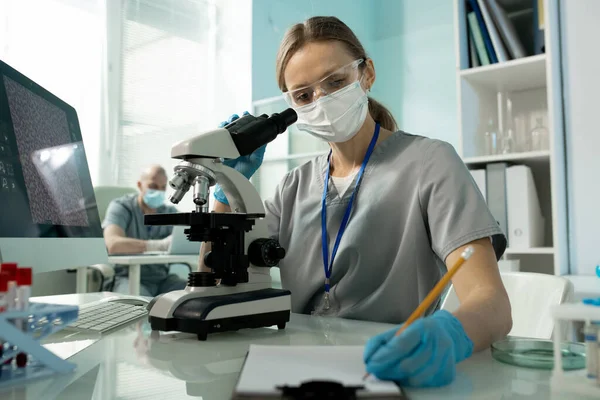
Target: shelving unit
column 520, row 74
column 533, row 85
column 529, row 157
column 531, row 250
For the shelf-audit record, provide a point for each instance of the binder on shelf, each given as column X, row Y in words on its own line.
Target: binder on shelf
column 484, row 32
column 507, row 30
column 525, row 220
column 473, row 52
column 538, row 27
column 496, row 195
column 477, row 38
column 493, row 32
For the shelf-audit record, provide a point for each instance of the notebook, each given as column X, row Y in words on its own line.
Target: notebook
column 268, row 367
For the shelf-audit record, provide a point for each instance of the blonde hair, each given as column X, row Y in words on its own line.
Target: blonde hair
column 323, row 29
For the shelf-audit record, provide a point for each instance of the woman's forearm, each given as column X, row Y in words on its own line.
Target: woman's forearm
column 485, row 316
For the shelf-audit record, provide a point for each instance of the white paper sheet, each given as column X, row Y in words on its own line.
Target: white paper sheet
column 267, row 367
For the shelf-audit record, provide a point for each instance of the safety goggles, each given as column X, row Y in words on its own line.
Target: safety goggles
column 333, row 82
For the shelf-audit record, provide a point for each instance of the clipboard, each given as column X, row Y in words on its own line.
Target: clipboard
column 309, row 372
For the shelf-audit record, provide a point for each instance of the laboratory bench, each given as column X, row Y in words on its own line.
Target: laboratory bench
column 135, row 362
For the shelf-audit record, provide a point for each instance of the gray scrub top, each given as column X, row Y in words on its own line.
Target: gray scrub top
column 126, row 213
column 417, row 203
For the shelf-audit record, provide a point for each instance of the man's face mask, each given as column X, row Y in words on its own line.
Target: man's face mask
column 341, row 110
column 154, row 198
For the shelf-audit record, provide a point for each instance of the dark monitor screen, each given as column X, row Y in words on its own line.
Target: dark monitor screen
column 45, row 184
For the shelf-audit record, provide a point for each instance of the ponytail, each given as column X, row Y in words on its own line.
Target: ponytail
column 382, row 115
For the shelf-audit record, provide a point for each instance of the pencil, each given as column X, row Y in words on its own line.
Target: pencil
column 434, row 293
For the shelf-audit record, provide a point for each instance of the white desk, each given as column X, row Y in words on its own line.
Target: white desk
column 135, row 263
column 585, row 286
column 134, row 363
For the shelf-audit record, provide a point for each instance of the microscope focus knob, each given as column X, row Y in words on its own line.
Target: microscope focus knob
column 265, row 252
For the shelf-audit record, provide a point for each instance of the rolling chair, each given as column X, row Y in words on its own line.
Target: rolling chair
column 531, row 296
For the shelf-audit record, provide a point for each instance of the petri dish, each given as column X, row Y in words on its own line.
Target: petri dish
column 538, row 354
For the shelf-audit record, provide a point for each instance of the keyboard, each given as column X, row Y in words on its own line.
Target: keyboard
column 101, row 317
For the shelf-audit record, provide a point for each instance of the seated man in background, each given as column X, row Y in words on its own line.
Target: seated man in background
column 125, row 233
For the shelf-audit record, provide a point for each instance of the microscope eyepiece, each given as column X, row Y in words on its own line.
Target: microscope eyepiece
column 284, row 119
column 250, row 132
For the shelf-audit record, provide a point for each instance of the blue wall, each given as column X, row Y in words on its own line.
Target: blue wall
column 271, row 18
column 413, row 51
column 410, row 41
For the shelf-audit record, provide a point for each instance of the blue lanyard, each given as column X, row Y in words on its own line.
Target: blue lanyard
column 328, row 266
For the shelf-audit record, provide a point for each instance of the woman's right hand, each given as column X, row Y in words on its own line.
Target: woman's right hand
column 246, row 165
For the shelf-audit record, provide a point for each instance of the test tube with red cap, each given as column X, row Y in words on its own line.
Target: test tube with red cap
column 24, row 281
column 9, row 266
column 10, row 269
column 3, row 291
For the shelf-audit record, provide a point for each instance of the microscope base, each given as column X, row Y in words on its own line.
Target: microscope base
column 210, row 314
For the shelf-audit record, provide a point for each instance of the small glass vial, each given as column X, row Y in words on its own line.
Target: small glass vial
column 522, row 136
column 539, row 136
column 590, row 333
column 508, row 137
column 491, row 139
column 508, row 142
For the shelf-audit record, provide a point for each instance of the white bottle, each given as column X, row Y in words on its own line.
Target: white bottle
column 598, row 356
column 590, row 333
column 3, row 303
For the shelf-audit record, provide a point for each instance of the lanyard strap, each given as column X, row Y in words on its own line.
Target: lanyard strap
column 328, row 266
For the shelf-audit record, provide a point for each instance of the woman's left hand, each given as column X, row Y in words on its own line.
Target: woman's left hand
column 245, row 165
column 424, row 355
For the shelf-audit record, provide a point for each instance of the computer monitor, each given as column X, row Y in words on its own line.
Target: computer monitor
column 48, row 218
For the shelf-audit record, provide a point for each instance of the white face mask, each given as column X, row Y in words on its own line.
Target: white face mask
column 336, row 117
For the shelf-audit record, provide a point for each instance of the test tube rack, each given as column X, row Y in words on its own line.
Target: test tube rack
column 36, row 323
column 570, row 382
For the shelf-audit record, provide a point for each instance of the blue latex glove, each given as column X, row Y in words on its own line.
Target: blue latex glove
column 246, row 165
column 424, row 355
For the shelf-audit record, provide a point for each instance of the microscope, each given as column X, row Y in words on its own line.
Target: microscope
column 237, row 293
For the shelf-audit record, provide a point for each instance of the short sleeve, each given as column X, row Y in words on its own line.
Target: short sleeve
column 117, row 214
column 454, row 209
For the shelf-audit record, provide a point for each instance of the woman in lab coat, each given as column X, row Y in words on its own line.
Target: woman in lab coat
column 369, row 227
